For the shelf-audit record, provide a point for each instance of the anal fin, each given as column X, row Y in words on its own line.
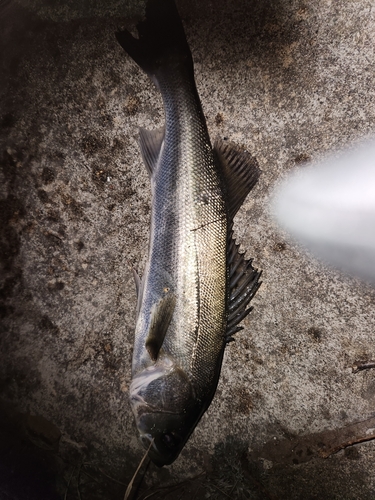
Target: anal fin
column 151, row 142
column 161, row 316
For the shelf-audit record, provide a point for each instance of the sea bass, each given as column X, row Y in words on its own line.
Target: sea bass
column 196, row 286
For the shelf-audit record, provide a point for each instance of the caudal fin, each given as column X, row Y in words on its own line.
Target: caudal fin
column 161, row 38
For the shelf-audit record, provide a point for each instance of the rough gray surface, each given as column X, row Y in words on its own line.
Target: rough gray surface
column 289, row 80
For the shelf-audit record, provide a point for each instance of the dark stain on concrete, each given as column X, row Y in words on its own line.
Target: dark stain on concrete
column 280, row 246
column 315, row 333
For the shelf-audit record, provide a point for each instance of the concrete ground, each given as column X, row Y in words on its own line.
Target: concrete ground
column 288, row 79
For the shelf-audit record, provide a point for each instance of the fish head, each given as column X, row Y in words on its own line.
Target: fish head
column 165, row 410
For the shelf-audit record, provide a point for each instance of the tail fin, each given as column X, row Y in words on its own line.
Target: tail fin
column 161, row 38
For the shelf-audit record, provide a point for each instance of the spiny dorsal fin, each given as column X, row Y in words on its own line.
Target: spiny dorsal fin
column 151, row 142
column 243, row 285
column 240, row 173
column 161, row 315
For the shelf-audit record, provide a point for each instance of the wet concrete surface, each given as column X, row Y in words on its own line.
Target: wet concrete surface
column 288, row 80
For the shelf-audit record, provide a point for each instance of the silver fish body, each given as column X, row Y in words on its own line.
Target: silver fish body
column 196, row 285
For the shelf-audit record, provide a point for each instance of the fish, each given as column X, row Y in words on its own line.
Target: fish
column 196, row 285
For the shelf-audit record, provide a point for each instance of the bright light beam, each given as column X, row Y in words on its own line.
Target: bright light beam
column 330, row 208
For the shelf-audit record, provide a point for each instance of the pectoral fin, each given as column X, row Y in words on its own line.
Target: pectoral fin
column 161, row 316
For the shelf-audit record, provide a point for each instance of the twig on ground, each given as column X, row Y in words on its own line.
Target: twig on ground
column 130, row 485
column 356, row 440
column 67, row 486
column 362, row 365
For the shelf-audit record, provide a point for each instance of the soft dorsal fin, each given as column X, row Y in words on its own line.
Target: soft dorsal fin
column 243, row 285
column 240, row 173
column 151, row 142
column 161, row 315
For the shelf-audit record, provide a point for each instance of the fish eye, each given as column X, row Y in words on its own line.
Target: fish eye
column 169, row 440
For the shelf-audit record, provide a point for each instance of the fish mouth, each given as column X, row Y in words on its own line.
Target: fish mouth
column 163, row 442
column 158, row 458
column 148, row 442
